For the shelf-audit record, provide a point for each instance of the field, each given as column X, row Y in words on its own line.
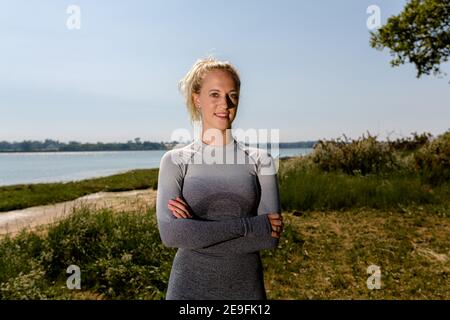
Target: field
column 339, row 221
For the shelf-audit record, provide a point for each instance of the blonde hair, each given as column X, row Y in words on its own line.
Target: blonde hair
column 192, row 82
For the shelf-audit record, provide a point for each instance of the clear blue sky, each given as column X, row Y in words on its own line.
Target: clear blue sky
column 306, row 66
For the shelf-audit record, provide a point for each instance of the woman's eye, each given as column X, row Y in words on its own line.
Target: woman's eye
column 215, row 95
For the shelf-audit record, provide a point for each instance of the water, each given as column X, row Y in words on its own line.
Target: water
column 34, row 167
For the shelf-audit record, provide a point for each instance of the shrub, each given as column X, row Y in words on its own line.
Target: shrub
column 411, row 143
column 432, row 161
column 363, row 156
column 120, row 256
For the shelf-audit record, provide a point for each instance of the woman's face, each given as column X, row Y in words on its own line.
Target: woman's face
column 218, row 100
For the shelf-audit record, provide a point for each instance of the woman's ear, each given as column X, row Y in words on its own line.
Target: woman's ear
column 195, row 97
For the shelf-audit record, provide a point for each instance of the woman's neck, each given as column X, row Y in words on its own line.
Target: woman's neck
column 216, row 136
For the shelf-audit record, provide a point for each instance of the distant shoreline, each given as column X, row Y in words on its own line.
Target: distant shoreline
column 61, row 151
column 280, row 146
column 137, row 145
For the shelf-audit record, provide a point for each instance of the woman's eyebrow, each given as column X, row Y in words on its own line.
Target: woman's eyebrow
column 234, row 90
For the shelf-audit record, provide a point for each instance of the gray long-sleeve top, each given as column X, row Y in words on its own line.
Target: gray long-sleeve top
column 230, row 190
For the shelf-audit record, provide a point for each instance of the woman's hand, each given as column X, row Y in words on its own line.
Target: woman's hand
column 276, row 221
column 179, row 208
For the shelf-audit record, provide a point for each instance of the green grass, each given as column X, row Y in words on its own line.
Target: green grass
column 28, row 195
column 321, row 255
column 312, row 189
column 336, row 226
column 325, row 255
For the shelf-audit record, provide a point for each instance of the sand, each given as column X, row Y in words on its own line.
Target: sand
column 12, row 222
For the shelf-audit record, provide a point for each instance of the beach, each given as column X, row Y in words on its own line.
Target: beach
column 12, row 222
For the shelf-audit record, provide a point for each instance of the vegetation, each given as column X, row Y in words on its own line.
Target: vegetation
column 340, row 175
column 285, row 145
column 120, row 257
column 303, row 189
column 419, row 35
column 50, row 145
column 55, row 145
column 325, row 255
column 27, row 195
column 344, row 211
column 321, row 255
column 432, row 161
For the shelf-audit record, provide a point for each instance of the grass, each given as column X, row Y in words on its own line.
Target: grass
column 325, row 255
column 308, row 188
column 120, row 257
column 27, row 195
column 321, row 255
column 336, row 226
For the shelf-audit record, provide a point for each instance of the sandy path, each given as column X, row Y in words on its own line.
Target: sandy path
column 12, row 222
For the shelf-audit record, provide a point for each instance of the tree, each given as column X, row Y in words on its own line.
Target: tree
column 420, row 34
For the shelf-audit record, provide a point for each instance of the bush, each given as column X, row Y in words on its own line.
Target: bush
column 432, row 161
column 18, row 254
column 411, row 144
column 31, row 285
column 120, row 256
column 363, row 156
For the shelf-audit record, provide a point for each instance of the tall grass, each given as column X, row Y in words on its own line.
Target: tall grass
column 340, row 175
column 312, row 189
column 432, row 161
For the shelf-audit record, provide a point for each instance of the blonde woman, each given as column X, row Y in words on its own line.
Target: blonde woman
column 221, row 211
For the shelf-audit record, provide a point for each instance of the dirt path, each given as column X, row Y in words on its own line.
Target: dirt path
column 12, row 222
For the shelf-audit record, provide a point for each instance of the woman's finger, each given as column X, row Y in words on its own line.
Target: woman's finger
column 277, row 228
column 177, row 204
column 178, row 210
column 276, row 222
column 186, row 206
column 180, row 206
column 176, row 214
column 182, row 201
column 275, row 216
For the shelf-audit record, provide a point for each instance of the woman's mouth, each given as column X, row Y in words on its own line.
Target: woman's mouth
column 222, row 115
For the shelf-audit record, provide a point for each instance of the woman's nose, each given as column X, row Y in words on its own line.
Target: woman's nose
column 226, row 102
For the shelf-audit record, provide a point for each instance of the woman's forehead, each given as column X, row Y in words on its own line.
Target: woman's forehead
column 219, row 80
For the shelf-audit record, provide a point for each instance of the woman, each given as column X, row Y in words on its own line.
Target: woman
column 217, row 210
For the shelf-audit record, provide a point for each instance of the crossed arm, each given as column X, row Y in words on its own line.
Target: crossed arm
column 178, row 228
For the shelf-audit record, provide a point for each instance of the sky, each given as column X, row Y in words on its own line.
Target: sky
column 306, row 67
